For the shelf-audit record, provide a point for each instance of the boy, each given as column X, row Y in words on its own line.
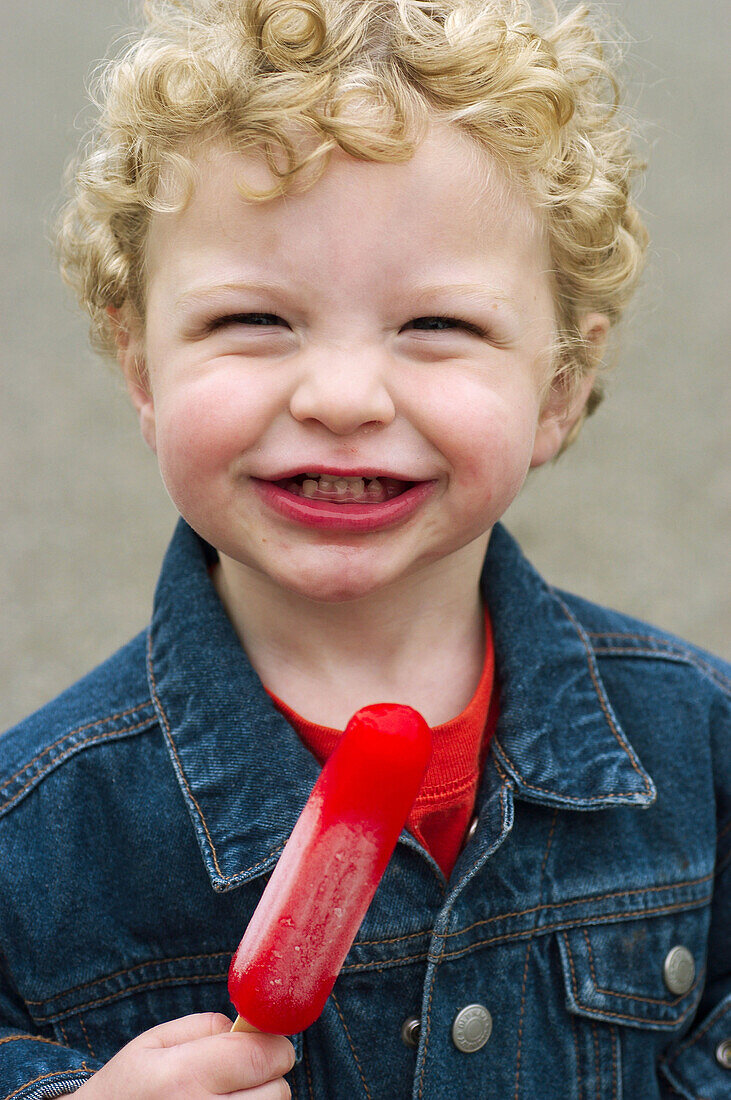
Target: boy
column 358, row 262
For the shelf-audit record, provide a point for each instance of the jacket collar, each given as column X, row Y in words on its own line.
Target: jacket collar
column 242, row 769
column 244, row 773
column 557, row 735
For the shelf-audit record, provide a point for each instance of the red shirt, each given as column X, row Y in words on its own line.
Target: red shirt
column 444, row 806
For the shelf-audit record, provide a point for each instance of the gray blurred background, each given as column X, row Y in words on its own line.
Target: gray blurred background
column 635, row 516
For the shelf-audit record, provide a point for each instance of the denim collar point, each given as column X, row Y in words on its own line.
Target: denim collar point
column 557, row 736
column 216, row 714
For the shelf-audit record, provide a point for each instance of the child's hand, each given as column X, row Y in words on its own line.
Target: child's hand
column 195, row 1058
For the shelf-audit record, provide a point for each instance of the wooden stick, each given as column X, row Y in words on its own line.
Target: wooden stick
column 243, row 1025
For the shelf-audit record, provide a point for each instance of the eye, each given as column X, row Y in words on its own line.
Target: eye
column 446, row 324
column 255, row 320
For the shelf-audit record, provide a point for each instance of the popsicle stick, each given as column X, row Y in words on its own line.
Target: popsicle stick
column 243, row 1025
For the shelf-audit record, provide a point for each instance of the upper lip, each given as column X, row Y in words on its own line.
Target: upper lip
column 366, row 472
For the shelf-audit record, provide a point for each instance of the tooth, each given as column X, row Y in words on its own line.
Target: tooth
column 342, row 485
column 293, row 487
column 375, row 485
column 326, row 484
column 315, row 476
column 357, row 485
column 309, row 488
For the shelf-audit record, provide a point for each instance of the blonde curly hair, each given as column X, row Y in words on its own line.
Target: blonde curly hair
column 366, row 76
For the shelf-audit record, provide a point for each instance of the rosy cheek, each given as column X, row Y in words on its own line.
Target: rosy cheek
column 203, row 427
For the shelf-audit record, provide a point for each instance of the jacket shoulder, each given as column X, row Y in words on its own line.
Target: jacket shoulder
column 612, row 633
column 110, row 702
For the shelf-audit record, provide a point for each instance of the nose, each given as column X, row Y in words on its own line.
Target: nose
column 343, row 388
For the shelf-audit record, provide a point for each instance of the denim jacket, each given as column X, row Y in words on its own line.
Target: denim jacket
column 587, row 917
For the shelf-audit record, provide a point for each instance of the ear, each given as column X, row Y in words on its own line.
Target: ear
column 564, row 403
column 129, row 339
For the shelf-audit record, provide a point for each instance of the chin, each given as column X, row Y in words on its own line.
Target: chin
column 333, row 585
column 333, row 591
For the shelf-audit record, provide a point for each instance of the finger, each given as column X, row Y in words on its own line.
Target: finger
column 275, row 1090
column 235, row 1060
column 186, row 1029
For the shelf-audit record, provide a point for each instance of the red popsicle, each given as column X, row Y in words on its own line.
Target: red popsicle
column 327, row 874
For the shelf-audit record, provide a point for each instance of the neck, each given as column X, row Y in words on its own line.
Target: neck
column 419, row 641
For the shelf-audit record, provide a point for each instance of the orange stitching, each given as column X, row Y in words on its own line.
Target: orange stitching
column 132, row 969
column 65, row 1036
column 400, row 939
column 503, row 774
column 678, row 656
column 226, row 878
column 710, row 1022
column 538, row 928
column 91, row 1049
column 601, row 1013
column 617, row 1015
column 546, row 906
column 44, row 1077
column 29, row 1039
column 667, row 648
column 254, row 866
column 576, row 901
column 175, row 751
column 569, row 797
column 350, row 1043
column 635, row 996
column 591, row 957
column 308, row 1070
column 95, row 739
column 570, row 924
column 592, row 672
column 632, row 913
column 571, row 963
column 595, row 1039
column 615, row 1039
column 724, row 830
column 71, row 733
column 578, row 1060
column 520, row 1018
column 136, row 989
column 527, row 958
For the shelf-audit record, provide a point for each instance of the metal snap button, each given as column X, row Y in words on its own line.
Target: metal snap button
column 723, row 1054
column 679, row 970
column 410, row 1029
column 472, row 1028
column 473, row 827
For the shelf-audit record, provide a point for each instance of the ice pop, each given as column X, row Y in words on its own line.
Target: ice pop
column 315, row 901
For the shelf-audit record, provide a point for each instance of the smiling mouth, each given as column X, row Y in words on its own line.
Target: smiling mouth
column 345, row 490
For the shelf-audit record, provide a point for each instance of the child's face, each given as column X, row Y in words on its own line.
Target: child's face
column 303, row 336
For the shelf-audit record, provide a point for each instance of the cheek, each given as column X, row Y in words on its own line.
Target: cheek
column 491, row 452
column 202, row 429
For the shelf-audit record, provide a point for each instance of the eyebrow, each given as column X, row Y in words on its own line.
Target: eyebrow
column 477, row 292
column 202, row 295
column 481, row 292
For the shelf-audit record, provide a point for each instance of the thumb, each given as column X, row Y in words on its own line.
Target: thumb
column 185, row 1030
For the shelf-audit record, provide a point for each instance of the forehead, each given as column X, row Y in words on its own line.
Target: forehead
column 363, row 221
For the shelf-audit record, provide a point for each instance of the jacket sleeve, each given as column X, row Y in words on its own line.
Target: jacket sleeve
column 700, row 1066
column 33, row 1067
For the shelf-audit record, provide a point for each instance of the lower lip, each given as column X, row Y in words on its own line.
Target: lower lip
column 344, row 517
